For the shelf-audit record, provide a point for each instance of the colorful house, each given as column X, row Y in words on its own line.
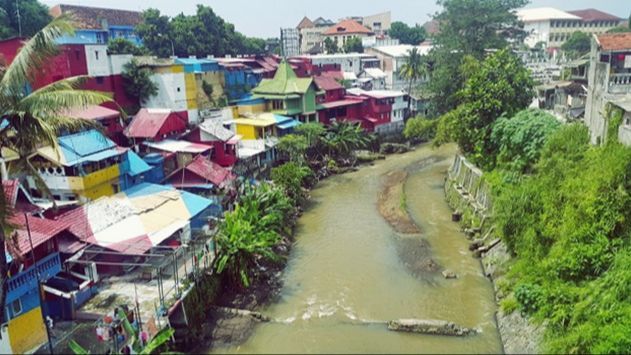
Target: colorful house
column 177, row 153
column 85, row 166
column 201, row 174
column 346, row 30
column 239, row 78
column 134, row 221
column 333, row 103
column 201, row 75
column 98, row 25
column 110, row 120
column 288, row 95
column 264, row 126
column 223, row 140
column 154, row 125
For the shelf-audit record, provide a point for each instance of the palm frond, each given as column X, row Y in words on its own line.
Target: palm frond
column 35, row 54
column 53, row 103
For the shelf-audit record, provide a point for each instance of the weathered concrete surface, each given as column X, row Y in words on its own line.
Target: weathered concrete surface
column 429, row 326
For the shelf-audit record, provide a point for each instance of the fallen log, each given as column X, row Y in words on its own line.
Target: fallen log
column 429, row 326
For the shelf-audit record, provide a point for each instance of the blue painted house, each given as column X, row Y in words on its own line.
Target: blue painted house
column 239, row 79
column 99, row 25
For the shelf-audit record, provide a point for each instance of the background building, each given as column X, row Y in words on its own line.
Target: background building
column 289, row 42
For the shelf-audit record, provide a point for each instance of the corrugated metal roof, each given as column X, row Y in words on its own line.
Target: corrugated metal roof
column 594, row 15
column 327, row 83
column 615, row 41
column 148, row 122
column 216, row 129
column 543, row 14
column 137, row 166
column 41, row 230
column 284, row 82
column 340, row 103
column 92, row 112
column 10, row 188
column 80, row 147
column 210, row 171
column 179, row 146
column 136, row 219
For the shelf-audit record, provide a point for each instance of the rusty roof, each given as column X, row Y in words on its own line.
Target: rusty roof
column 589, row 15
column 614, row 41
column 91, row 18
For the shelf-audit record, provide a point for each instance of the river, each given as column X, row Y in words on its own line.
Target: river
column 346, row 268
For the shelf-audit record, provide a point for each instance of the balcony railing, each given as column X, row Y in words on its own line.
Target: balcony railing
column 25, row 281
column 620, row 83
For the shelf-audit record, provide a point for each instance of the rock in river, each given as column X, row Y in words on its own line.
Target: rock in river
column 429, row 326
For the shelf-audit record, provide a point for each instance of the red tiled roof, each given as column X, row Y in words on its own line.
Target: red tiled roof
column 327, row 83
column 615, row 41
column 335, row 74
column 41, row 230
column 10, row 188
column 94, row 17
column 346, row 27
column 93, row 112
column 210, row 171
column 594, row 15
column 147, row 123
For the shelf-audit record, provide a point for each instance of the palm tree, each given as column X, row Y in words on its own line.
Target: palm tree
column 30, row 120
column 342, row 138
column 412, row 70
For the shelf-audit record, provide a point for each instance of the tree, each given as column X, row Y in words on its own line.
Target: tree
column 33, row 17
column 420, row 129
column 341, row 138
column 294, row 146
column 138, row 82
column 578, row 44
column 499, row 85
column 413, row 69
column 292, row 177
column 34, row 119
column 155, row 32
column 330, row 46
column 406, row 34
column 124, row 46
column 353, row 45
column 468, row 27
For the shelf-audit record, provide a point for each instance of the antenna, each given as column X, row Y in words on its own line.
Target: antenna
column 17, row 10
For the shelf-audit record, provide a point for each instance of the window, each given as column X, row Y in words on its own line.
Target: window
column 100, row 80
column 16, row 307
column 178, row 89
column 96, row 54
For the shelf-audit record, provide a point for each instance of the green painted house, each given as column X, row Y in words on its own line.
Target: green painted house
column 289, row 95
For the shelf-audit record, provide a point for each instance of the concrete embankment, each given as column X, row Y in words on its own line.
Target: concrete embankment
column 469, row 196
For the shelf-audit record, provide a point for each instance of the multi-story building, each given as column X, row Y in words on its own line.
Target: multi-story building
column 98, row 25
column 312, row 34
column 553, row 27
column 289, row 42
column 378, row 23
column 288, row 95
column 392, row 58
column 609, row 88
column 85, row 166
column 346, row 62
column 345, row 30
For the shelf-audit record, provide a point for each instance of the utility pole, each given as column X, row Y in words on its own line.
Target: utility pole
column 17, row 11
column 39, row 283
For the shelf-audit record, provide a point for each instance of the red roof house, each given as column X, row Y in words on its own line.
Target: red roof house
column 614, row 41
column 200, row 173
column 590, row 15
column 347, row 27
column 155, row 124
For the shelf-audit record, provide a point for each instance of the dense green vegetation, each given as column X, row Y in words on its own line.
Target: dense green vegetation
column 33, row 17
column 353, row 45
column 138, row 82
column 124, row 46
column 406, row 34
column 468, row 28
column 569, row 224
column 498, row 85
column 577, row 45
column 201, row 34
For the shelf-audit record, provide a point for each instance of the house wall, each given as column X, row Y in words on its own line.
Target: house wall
column 84, row 37
column 97, row 60
column 539, row 32
column 27, row 332
column 246, row 131
column 9, row 48
column 171, row 93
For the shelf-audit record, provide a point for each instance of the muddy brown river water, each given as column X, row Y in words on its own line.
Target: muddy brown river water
column 348, row 268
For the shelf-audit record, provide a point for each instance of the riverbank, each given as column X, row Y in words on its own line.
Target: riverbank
column 469, row 197
column 348, row 272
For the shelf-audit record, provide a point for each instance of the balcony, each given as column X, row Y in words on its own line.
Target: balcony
column 26, row 281
column 620, row 83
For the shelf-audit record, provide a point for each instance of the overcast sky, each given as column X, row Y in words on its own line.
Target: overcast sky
column 265, row 18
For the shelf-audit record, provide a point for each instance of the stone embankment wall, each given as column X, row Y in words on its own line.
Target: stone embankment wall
column 470, row 197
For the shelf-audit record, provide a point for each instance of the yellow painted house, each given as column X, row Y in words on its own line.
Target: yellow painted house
column 86, row 166
column 264, row 125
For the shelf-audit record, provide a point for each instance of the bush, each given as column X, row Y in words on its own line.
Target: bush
column 529, row 297
column 420, row 129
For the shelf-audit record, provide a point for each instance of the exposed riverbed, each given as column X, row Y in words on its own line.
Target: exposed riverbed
column 348, row 265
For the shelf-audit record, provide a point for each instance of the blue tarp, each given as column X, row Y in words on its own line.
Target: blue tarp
column 288, row 124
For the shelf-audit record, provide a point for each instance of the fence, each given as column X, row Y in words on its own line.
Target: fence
column 466, row 190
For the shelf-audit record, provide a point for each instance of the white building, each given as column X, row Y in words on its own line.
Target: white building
column 378, row 23
column 345, row 30
column 348, row 62
column 553, row 26
column 312, row 34
column 372, row 79
column 392, row 58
